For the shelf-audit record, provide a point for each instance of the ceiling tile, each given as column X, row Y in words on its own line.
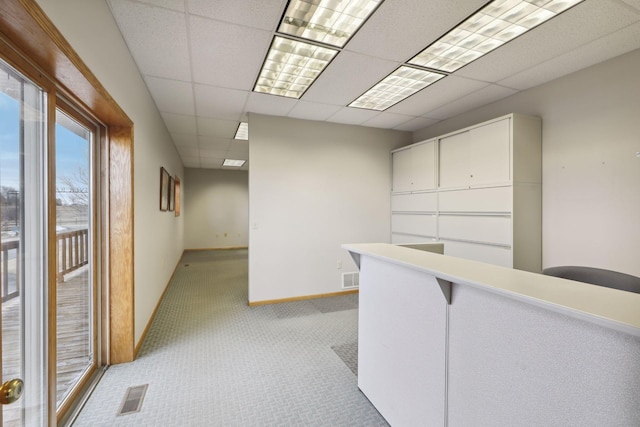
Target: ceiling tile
column 416, row 124
column 188, row 151
column 238, row 154
column 633, row 3
column 171, row 96
column 212, row 154
column 178, row 123
column 262, row 103
column 600, row 50
column 219, row 103
column 210, row 162
column 156, row 37
column 189, row 140
column 347, row 77
column 190, row 161
column 168, row 4
column 313, row 111
column 214, row 143
column 264, row 14
column 226, row 55
column 441, row 92
column 239, row 144
column 388, row 120
column 353, row 116
column 466, row 103
column 215, row 127
column 578, row 26
column 398, row 30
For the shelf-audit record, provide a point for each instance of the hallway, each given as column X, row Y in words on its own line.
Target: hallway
column 211, row 360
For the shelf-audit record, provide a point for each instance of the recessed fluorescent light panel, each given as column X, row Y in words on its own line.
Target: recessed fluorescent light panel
column 291, row 66
column 331, row 22
column 233, row 163
column 243, row 131
column 492, row 26
column 400, row 84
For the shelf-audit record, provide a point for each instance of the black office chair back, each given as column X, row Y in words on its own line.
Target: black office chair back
column 596, row 276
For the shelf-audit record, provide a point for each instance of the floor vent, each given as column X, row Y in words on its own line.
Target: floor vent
column 133, row 400
column 350, row 280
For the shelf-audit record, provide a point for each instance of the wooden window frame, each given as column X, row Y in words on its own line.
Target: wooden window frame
column 32, row 44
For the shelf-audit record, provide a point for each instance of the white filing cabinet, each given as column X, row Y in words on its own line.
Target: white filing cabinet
column 478, row 190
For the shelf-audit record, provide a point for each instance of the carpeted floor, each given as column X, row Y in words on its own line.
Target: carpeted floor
column 211, row 360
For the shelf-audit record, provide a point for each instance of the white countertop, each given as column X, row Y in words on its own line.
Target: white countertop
column 607, row 307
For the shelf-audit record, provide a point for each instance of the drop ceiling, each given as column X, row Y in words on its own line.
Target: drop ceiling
column 201, row 58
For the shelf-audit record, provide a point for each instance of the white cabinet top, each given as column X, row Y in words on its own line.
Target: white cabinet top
column 607, row 307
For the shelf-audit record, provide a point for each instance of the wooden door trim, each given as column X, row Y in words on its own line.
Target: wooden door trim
column 27, row 31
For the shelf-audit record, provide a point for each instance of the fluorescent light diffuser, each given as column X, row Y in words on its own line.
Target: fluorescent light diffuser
column 327, row 21
column 494, row 25
column 243, row 131
column 233, row 163
column 402, row 83
column 291, row 66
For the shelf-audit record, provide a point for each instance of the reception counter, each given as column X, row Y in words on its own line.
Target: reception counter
column 445, row 341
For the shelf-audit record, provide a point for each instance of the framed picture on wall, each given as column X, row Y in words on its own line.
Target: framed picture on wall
column 172, row 192
column 164, row 189
column 176, row 195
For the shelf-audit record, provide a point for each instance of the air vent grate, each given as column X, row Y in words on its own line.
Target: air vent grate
column 133, row 400
column 350, row 280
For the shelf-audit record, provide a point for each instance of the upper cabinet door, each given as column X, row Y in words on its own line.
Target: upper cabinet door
column 423, row 164
column 455, row 169
column 414, row 168
column 489, row 153
column 402, row 179
column 478, row 156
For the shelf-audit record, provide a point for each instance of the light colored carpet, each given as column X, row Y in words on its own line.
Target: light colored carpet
column 211, row 360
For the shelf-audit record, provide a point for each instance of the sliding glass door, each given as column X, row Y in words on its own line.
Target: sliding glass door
column 49, row 324
column 23, row 222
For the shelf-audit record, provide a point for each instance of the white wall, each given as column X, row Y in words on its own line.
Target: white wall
column 216, row 208
column 90, row 29
column 591, row 172
column 312, row 187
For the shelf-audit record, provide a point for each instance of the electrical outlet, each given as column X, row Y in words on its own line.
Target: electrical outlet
column 339, row 265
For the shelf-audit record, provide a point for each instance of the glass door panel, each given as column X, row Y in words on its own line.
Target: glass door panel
column 23, row 243
column 75, row 293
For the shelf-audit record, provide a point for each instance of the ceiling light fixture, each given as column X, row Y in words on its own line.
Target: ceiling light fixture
column 492, row 26
column 243, row 131
column 331, row 22
column 233, row 163
column 291, row 66
column 402, row 83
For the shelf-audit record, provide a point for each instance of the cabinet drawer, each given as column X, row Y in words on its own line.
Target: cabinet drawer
column 489, row 229
column 494, row 199
column 398, row 238
column 416, row 202
column 490, row 254
column 421, row 225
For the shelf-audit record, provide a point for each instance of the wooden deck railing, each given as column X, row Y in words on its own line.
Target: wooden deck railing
column 7, row 249
column 72, row 253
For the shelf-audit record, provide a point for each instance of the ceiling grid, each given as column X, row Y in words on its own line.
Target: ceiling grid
column 201, row 60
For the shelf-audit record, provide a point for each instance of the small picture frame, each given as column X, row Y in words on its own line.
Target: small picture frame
column 172, row 189
column 164, row 189
column 176, row 195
